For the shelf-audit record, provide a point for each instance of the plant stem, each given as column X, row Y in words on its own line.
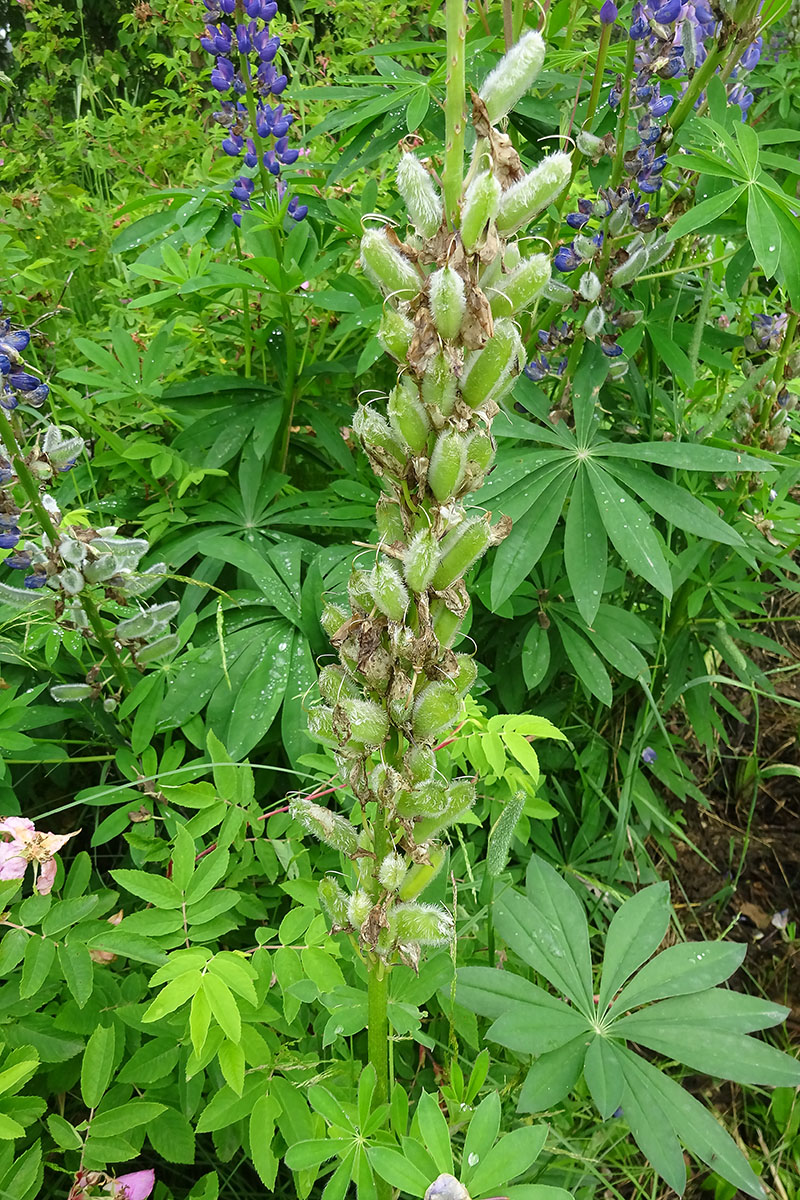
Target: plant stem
column 508, row 24
column 625, row 108
column 247, row 329
column 698, row 83
column 378, row 1027
column 454, row 108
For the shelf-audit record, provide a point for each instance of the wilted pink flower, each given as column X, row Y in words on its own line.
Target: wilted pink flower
column 136, row 1186
column 26, row 846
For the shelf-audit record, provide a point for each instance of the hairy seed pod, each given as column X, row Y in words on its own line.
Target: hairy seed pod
column 461, row 547
column 387, row 267
column 359, row 591
column 359, row 906
column 481, row 205
column 481, row 449
column 384, row 782
column 421, row 560
column 595, row 320
column 467, row 673
column 392, row 872
column 513, row 76
column 421, row 874
column 368, row 721
column 589, row 287
column 400, row 702
column 448, row 302
column 557, row 292
column 426, row 924
column 521, row 287
column 435, row 711
column 633, row 266
column 160, row 648
column 389, row 520
column 333, row 618
column 526, row 199
column 512, row 256
column 388, row 590
column 334, row 900
column 658, row 250
column 335, row 685
column 446, row 623
column 395, row 333
column 589, row 145
column 447, row 465
column 426, row 799
column 63, row 693
column 320, row 726
column 460, row 798
column 422, row 201
column 489, row 372
column 585, row 246
column 618, row 220
column 420, row 763
column 331, row 828
column 373, row 431
column 408, row 416
column 439, row 385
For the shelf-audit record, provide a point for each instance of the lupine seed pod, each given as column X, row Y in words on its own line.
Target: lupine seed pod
column 420, row 763
column 446, row 623
column 101, row 569
column 336, row 685
column 408, row 416
column 590, row 145
column 426, row 924
column 359, row 906
column 435, row 711
column 421, row 560
column 488, row 372
column 359, row 591
column 557, row 292
column 331, row 828
column 388, row 590
column 658, row 250
column 618, row 220
column 589, row 287
column 368, row 721
column 439, row 386
column 466, row 675
column 389, row 521
column 520, row 288
column 423, row 202
column 633, row 266
column 595, row 320
column 585, row 246
column 481, row 205
column 384, row 782
column 395, row 333
column 526, row 199
column 480, row 449
column 387, row 267
column 461, row 547
column 334, row 900
column 320, row 726
column 374, row 433
column 513, row 76
column 422, row 874
column 512, row 256
column 448, row 301
column 460, row 798
column 392, row 872
column 447, row 465
column 426, row 799
column 64, row 693
column 160, row 648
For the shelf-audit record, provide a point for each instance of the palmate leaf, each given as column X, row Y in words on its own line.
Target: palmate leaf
column 630, row 530
column 636, row 931
column 585, row 549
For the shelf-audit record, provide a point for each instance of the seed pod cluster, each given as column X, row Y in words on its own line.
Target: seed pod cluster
column 453, row 291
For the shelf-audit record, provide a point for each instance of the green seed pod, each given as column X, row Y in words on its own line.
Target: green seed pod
column 426, row 924
column 421, row 560
column 331, row 828
column 585, row 246
column 595, row 320
column 618, row 220
column 160, row 648
column 389, row 521
column 489, row 372
column 334, row 900
column 513, row 76
column 336, row 685
column 633, row 266
column 446, row 623
column 658, row 250
column 589, row 145
column 439, row 385
column 481, row 205
column 359, row 591
column 447, row 465
column 460, row 549
column 64, row 693
column 467, row 673
column 526, row 199
column 373, row 431
column 400, row 704
column 557, row 292
column 589, row 287
column 320, row 726
column 392, row 872
column 368, row 721
column 426, row 799
column 388, row 590
column 384, row 782
column 422, row 201
column 519, row 289
column 395, row 333
column 480, row 449
column 421, row 874
column 359, row 906
column 448, row 302
column 420, row 763
column 408, row 416
column 460, row 798
column 512, row 256
column 435, row 711
column 387, row 267
column 333, row 618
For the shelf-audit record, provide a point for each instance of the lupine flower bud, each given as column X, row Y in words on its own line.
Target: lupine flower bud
column 595, row 320
column 374, row 433
column 519, row 289
column 331, row 828
column 421, row 560
column 422, row 200
column 439, row 385
column 447, row 465
column 481, row 205
column 513, row 76
column 359, row 906
column 460, row 548
column 466, row 675
column 333, row 618
column 420, row 762
column 426, row 924
column 335, row 685
column 408, row 417
column 421, row 874
column 448, row 302
column 435, row 711
column 368, row 721
column 388, row 590
column 633, row 266
column 530, row 196
column 488, row 372
column 589, row 287
column 392, row 872
column 387, row 267
column 389, row 521
column 608, row 13
column 395, row 333
column 334, row 900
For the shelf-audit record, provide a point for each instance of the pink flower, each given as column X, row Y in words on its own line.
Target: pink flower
column 27, row 845
column 136, row 1186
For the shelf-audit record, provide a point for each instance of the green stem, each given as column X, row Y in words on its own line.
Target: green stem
column 697, row 85
column 454, row 108
column 378, row 1047
column 508, row 24
column 787, row 346
column 622, row 123
column 247, row 329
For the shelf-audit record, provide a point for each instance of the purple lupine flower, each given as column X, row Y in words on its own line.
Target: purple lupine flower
column 566, row 259
column 608, row 13
column 537, row 370
column 9, row 538
column 576, row 220
column 669, row 12
column 649, row 755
